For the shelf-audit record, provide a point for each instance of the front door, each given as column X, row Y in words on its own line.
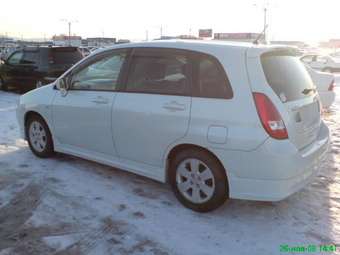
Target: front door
column 82, row 117
column 11, row 70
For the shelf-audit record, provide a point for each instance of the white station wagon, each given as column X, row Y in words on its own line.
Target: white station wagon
column 216, row 120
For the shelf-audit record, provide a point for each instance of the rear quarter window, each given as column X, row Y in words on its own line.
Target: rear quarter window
column 287, row 76
column 211, row 80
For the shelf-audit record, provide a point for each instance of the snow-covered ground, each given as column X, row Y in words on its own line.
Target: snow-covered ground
column 67, row 205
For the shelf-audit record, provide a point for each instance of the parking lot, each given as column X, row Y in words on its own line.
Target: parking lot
column 67, row 205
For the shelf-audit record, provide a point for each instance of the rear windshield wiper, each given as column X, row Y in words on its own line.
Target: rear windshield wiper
column 307, row 91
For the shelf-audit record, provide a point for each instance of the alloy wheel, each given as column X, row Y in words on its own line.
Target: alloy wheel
column 195, row 181
column 37, row 136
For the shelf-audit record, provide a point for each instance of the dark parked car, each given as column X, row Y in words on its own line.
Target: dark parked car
column 32, row 67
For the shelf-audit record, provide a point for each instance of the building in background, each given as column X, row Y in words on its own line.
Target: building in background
column 238, row 37
column 65, row 40
column 100, row 41
column 298, row 44
column 332, row 43
column 187, row 37
column 205, row 33
column 184, row 37
column 123, row 41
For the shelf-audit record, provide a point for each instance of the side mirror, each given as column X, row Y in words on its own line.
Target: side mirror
column 62, row 86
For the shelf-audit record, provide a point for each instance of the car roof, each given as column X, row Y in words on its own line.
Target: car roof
column 201, row 45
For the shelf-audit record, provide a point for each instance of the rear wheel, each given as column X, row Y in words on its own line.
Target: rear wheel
column 198, row 180
column 39, row 137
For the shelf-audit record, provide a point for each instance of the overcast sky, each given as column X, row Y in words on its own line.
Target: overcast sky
column 309, row 20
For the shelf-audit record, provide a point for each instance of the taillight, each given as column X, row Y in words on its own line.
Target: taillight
column 270, row 118
column 331, row 86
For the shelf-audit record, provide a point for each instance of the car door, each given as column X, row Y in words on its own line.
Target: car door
column 154, row 109
column 29, row 72
column 82, row 117
column 10, row 70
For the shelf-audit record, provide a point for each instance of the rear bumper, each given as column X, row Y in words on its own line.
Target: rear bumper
column 327, row 98
column 277, row 169
column 273, row 190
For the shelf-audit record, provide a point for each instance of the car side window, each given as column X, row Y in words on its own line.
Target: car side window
column 212, row 81
column 15, row 58
column 102, row 74
column 159, row 71
column 30, row 58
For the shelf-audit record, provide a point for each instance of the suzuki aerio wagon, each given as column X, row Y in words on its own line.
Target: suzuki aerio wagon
column 216, row 120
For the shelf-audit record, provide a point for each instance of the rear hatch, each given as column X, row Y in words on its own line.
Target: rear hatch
column 298, row 100
column 62, row 58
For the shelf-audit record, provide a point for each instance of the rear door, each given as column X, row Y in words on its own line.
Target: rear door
column 295, row 91
column 60, row 59
column 29, row 72
column 153, row 110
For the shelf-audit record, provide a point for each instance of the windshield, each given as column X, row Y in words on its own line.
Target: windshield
column 287, row 76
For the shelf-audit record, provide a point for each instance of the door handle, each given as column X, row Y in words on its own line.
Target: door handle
column 174, row 106
column 100, row 100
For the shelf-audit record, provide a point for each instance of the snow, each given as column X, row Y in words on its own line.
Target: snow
column 67, row 205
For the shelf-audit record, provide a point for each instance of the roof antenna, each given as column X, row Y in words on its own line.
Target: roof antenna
column 256, row 41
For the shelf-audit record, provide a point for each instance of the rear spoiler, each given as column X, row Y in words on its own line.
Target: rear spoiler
column 257, row 51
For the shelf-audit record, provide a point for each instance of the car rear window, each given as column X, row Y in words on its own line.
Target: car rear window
column 287, row 75
column 69, row 55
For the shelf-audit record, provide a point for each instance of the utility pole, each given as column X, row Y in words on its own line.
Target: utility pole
column 264, row 8
column 146, row 35
column 265, row 24
column 69, row 30
column 69, row 23
column 161, row 31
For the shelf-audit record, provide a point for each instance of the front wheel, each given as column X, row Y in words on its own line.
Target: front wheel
column 39, row 137
column 198, row 180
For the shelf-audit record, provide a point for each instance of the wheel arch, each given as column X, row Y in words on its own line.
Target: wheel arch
column 180, row 147
column 31, row 113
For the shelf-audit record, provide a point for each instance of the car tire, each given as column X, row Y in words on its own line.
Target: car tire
column 3, row 86
column 327, row 70
column 198, row 180
column 39, row 137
